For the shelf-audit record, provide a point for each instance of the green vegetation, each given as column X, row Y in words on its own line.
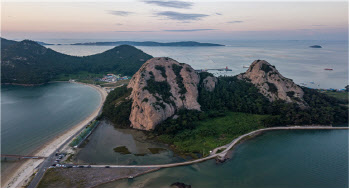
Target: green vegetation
column 156, row 150
column 179, row 80
column 161, row 88
column 290, row 94
column 210, row 133
column 272, row 88
column 232, row 109
column 27, row 62
column 117, row 108
column 84, row 133
column 235, row 95
column 139, row 154
column 162, row 70
column 343, row 96
column 122, row 150
column 266, row 68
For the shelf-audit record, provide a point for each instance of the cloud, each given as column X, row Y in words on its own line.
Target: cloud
column 172, row 4
column 120, row 13
column 181, row 16
column 235, row 22
column 190, row 30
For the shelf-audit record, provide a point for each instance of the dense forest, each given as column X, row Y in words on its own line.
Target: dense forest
column 28, row 62
column 117, row 108
column 234, row 95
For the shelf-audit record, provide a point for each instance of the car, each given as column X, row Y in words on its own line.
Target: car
column 58, row 165
column 69, row 166
column 89, row 166
column 75, row 166
column 107, row 166
column 57, row 161
column 81, row 166
column 53, row 165
column 60, row 157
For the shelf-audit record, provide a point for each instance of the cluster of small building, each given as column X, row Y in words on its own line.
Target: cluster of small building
column 113, row 78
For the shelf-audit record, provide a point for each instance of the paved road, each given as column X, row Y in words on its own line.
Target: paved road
column 49, row 161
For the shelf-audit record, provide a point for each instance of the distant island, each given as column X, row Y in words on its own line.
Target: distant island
column 316, row 46
column 43, row 43
column 151, row 43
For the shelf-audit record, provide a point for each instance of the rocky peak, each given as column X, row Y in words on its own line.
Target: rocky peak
column 160, row 88
column 272, row 84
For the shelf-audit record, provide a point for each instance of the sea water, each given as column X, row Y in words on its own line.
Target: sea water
column 294, row 59
column 33, row 115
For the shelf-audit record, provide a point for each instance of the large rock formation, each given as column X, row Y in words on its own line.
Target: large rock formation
column 160, row 88
column 272, row 84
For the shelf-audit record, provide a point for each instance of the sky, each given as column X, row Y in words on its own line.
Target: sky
column 170, row 20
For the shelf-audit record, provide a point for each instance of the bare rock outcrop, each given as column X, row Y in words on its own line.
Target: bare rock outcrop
column 272, row 84
column 160, row 88
column 209, row 83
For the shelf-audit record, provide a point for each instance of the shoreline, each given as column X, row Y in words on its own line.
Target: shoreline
column 22, row 173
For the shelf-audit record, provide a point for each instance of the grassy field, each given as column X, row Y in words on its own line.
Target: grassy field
column 339, row 95
column 212, row 133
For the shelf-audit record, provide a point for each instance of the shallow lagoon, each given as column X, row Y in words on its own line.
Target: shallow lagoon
column 100, row 148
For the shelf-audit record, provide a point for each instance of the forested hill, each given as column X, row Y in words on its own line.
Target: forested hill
column 28, row 62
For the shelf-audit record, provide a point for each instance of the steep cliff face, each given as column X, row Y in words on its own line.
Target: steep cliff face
column 160, row 88
column 272, row 84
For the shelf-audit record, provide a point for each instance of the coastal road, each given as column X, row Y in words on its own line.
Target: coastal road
column 221, row 155
column 50, row 160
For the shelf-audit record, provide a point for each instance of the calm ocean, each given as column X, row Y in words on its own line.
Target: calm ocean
column 294, row 59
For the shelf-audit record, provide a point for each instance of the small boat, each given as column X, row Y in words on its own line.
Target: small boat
column 329, row 69
column 245, row 66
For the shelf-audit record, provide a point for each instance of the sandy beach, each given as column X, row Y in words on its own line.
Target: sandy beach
column 21, row 175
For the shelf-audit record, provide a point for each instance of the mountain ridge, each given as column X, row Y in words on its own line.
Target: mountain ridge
column 27, row 62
